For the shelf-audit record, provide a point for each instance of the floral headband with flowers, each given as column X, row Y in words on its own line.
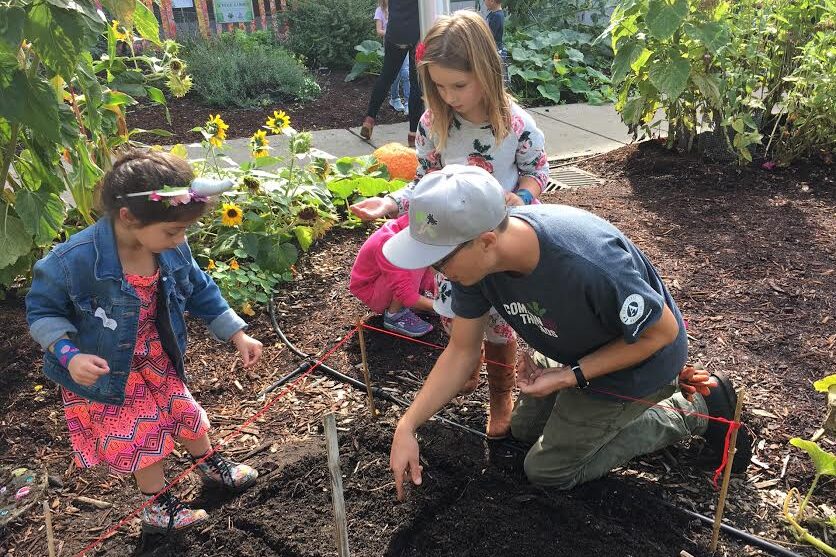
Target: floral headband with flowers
column 199, row 191
column 420, row 49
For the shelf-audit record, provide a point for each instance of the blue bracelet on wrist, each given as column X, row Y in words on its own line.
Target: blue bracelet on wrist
column 526, row 196
column 65, row 351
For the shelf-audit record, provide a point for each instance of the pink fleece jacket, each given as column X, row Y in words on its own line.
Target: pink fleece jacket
column 376, row 282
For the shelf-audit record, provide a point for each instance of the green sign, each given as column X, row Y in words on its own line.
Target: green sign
column 233, row 11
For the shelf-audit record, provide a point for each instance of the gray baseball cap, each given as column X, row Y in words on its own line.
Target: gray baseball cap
column 448, row 208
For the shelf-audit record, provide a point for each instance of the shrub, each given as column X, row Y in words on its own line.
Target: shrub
column 325, row 31
column 748, row 71
column 555, row 66
column 239, row 70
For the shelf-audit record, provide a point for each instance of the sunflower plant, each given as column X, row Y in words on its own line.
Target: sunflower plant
column 280, row 207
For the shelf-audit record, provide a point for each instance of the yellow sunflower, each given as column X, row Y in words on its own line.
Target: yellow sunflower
column 231, row 214
column 247, row 309
column 211, row 265
column 216, row 127
column 278, row 122
column 234, row 265
column 118, row 34
column 258, row 144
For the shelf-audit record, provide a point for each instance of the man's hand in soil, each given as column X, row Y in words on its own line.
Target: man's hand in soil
column 85, row 369
column 693, row 380
column 403, row 459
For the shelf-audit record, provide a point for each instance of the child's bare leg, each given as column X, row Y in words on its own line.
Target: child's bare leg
column 196, row 447
column 395, row 306
column 151, row 479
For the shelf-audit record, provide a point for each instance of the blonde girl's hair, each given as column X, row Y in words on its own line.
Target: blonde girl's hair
column 384, row 5
column 463, row 42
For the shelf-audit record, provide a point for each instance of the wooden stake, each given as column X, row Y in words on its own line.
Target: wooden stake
column 50, row 537
column 366, row 378
column 721, row 503
column 331, row 442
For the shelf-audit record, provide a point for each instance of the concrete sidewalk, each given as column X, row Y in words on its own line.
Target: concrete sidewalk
column 572, row 130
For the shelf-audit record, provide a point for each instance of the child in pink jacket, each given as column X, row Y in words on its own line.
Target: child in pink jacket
column 389, row 290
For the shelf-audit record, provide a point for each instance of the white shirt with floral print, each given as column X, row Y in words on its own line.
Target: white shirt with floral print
column 520, row 153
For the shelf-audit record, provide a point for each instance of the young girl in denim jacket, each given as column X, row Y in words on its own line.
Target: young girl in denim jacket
column 108, row 308
column 472, row 120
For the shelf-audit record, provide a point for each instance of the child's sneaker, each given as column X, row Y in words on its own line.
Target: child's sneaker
column 168, row 513
column 397, row 104
column 406, row 323
column 227, row 473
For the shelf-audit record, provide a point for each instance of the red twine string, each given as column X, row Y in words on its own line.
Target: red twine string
column 211, row 451
column 732, row 424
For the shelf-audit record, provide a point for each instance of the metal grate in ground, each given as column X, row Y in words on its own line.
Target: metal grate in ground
column 570, row 177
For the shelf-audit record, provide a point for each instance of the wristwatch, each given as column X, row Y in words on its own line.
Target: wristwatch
column 582, row 382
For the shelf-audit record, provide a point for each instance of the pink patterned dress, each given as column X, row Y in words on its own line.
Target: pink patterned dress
column 158, row 407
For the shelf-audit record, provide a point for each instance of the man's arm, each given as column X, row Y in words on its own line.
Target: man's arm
column 611, row 357
column 450, row 372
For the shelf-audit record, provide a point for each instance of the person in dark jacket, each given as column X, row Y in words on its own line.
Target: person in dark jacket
column 402, row 37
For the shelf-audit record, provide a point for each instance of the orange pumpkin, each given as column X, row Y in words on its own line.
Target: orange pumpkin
column 399, row 159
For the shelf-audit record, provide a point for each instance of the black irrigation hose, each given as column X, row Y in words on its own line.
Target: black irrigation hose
column 380, row 393
column 377, row 392
column 745, row 536
column 303, row 367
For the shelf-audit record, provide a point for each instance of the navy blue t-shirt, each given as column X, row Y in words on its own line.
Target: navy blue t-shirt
column 590, row 287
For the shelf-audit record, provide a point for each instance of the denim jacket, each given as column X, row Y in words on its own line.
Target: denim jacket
column 79, row 290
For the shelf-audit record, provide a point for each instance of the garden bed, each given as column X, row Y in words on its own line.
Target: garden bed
column 748, row 255
column 341, row 105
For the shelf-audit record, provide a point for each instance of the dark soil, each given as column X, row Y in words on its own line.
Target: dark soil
column 748, row 255
column 341, row 105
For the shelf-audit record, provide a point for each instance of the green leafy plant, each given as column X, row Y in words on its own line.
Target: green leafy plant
column 325, row 31
column 369, row 59
column 825, row 465
column 580, row 15
column 62, row 113
column 667, row 56
column 353, row 179
column 728, row 75
column 809, row 123
column 548, row 66
column 237, row 70
column 245, row 288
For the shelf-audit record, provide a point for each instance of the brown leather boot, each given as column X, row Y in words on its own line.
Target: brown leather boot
column 501, row 381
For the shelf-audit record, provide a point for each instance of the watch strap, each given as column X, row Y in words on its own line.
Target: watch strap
column 579, row 377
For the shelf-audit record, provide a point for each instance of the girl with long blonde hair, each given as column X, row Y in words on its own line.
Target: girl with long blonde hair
column 471, row 119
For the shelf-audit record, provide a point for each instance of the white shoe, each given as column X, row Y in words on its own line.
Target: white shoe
column 397, row 105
